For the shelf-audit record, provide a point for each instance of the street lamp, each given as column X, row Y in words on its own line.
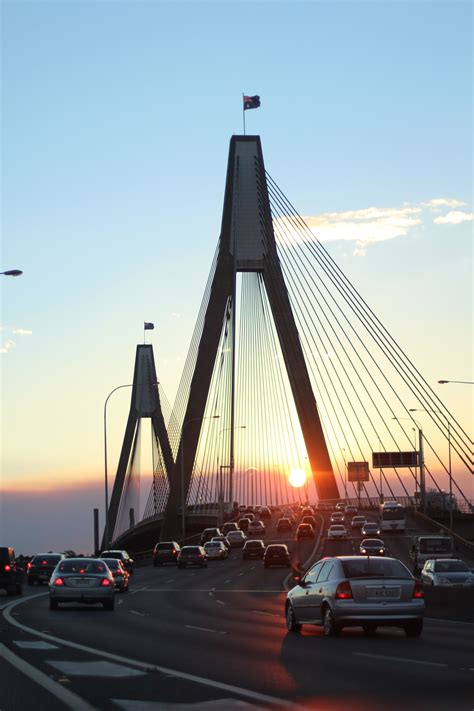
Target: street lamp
column 421, row 462
column 425, row 409
column 12, row 272
column 464, row 382
column 183, row 513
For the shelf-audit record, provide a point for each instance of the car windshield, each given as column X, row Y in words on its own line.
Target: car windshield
column 370, row 525
column 374, row 568
column 451, row 566
column 338, row 528
column 372, row 542
column 82, row 566
column 435, row 545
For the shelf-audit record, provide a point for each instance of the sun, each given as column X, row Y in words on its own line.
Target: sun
column 297, row 478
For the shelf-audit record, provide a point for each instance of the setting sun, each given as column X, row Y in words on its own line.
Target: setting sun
column 297, row 478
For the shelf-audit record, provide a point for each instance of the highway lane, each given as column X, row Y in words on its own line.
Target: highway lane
column 225, row 624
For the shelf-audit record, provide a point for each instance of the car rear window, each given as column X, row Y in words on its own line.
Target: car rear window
column 374, row 568
column 338, row 528
column 82, row 566
column 190, row 549
column 113, row 554
column 164, row 546
column 212, row 544
column 277, row 549
column 254, row 544
column 50, row 559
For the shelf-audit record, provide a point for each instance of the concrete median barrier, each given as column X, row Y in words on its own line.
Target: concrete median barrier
column 450, row 603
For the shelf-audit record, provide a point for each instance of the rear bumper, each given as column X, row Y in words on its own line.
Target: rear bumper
column 350, row 612
column 92, row 595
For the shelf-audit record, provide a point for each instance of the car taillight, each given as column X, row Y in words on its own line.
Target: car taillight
column 29, row 565
column 59, row 581
column 8, row 568
column 118, row 572
column 173, row 551
column 344, row 591
column 418, row 591
column 105, row 583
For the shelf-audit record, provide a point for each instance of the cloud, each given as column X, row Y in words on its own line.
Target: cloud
column 455, row 217
column 366, row 226
column 437, row 203
column 8, row 346
column 23, row 331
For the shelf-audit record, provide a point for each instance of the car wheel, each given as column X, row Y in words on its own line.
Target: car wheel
column 109, row 604
column 369, row 629
column 291, row 623
column 53, row 604
column 414, row 628
column 331, row 629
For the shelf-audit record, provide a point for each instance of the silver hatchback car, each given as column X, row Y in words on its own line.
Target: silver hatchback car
column 86, row 580
column 356, row 591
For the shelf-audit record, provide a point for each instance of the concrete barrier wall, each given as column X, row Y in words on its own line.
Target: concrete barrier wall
column 450, row 603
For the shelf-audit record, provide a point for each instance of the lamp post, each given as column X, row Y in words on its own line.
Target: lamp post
column 421, row 462
column 107, row 541
column 425, row 409
column 463, row 382
column 12, row 272
column 183, row 513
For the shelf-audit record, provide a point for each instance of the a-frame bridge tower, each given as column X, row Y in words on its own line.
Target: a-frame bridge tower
column 247, row 243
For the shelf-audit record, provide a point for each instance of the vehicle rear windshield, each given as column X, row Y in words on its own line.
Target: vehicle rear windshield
column 165, row 546
column 451, row 566
column 190, row 549
column 82, row 566
column 50, row 559
column 435, row 545
column 113, row 554
column 213, row 544
column 338, row 528
column 375, row 568
column 277, row 549
column 393, row 514
column 254, row 544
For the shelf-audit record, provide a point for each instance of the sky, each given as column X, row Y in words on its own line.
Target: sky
column 116, row 120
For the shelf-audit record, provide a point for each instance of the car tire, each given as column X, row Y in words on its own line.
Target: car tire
column 414, row 628
column 53, row 604
column 109, row 604
column 331, row 629
column 369, row 629
column 291, row 624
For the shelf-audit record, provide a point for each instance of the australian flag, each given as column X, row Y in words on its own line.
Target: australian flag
column 251, row 102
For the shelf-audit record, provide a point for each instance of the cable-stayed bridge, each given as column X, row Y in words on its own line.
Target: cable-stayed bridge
column 290, row 373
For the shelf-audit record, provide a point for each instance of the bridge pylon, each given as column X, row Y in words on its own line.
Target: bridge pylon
column 247, row 244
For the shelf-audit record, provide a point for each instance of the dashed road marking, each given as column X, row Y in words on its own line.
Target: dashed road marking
column 142, row 614
column 205, row 629
column 400, row 659
column 104, row 669
column 34, row 645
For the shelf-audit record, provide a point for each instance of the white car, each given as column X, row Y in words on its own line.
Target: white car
column 370, row 529
column 337, row 531
column 216, row 550
column 236, row 538
column 256, row 528
column 447, row 572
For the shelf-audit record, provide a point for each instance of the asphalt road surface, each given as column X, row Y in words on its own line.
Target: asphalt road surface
column 215, row 639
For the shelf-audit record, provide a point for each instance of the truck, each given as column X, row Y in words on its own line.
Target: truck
column 428, row 546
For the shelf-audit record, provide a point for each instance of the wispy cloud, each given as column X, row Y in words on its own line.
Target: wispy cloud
column 8, row 346
column 455, row 217
column 369, row 225
column 23, row 331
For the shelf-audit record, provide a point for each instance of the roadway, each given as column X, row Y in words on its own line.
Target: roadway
column 217, row 637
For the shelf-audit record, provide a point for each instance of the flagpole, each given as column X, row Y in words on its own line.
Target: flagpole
column 243, row 110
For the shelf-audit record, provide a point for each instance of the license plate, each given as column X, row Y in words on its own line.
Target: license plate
column 81, row 582
column 383, row 592
column 44, row 576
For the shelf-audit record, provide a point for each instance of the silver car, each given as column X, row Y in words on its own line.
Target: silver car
column 356, row 591
column 216, row 550
column 450, row 572
column 86, row 580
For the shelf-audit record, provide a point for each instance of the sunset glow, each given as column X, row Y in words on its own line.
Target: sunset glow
column 297, row 478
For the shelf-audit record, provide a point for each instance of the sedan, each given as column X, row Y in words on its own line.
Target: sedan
column 276, row 554
column 337, row 531
column 350, row 509
column 119, row 573
column 370, row 529
column 284, row 524
column 253, row 549
column 192, row 555
column 358, row 521
column 82, row 580
column 216, row 550
column 236, row 538
column 356, row 591
column 41, row 567
column 309, row 519
column 223, row 540
column 256, row 528
column 372, row 546
column 304, row 530
column 337, row 517
column 447, row 573
column 120, row 555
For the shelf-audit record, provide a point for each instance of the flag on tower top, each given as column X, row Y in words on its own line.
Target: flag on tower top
column 251, row 102
column 148, row 326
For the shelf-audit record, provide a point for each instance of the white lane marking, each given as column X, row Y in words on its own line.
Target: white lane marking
column 205, row 629
column 270, row 614
column 239, row 574
column 68, row 698
column 34, row 645
column 171, row 580
column 211, row 594
column 138, row 590
column 120, row 602
column 399, row 659
column 221, row 602
column 142, row 614
column 216, row 705
column 104, row 669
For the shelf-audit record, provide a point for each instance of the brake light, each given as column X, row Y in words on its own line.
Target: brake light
column 173, row 551
column 82, row 570
column 344, row 591
column 418, row 591
column 118, row 572
column 29, row 565
column 59, row 582
column 44, row 562
column 8, row 568
column 105, row 583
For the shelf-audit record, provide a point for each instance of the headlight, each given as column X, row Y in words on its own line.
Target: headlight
column 362, row 550
column 381, row 550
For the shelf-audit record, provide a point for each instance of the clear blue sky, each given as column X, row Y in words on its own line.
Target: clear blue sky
column 116, row 122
